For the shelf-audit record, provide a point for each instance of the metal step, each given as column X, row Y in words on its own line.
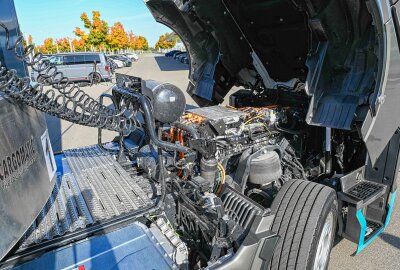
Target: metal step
column 371, row 229
column 91, row 187
column 363, row 193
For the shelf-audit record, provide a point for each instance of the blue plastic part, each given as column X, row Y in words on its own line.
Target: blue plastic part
column 61, row 168
column 363, row 225
column 132, row 247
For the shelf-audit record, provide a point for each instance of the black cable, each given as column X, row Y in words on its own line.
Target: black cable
column 289, row 131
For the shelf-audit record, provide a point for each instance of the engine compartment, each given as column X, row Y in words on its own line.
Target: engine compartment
column 208, row 174
column 218, row 169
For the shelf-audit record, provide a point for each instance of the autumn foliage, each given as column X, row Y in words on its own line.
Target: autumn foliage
column 165, row 42
column 95, row 35
column 117, row 38
column 48, row 46
column 137, row 42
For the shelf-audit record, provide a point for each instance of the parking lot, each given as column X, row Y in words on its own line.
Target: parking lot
column 383, row 253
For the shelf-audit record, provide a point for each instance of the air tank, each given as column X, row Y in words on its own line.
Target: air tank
column 168, row 101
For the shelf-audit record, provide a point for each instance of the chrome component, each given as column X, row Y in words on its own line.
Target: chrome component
column 64, row 211
column 93, row 188
column 172, row 244
column 324, row 244
column 107, row 188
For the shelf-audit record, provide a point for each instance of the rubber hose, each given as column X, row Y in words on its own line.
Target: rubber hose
column 150, row 126
column 187, row 128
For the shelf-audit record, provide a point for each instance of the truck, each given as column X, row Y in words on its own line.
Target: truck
column 306, row 151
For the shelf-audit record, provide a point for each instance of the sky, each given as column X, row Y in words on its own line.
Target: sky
column 58, row 18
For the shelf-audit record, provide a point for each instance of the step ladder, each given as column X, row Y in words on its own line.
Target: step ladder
column 368, row 214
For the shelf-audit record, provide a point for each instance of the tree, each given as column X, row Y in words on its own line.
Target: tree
column 48, row 46
column 63, row 45
column 117, row 38
column 101, row 37
column 173, row 37
column 142, row 43
column 30, row 40
column 78, row 45
column 132, row 40
column 80, row 33
column 98, row 29
column 164, row 43
column 137, row 42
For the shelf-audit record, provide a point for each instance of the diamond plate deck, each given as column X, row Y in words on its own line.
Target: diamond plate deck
column 92, row 187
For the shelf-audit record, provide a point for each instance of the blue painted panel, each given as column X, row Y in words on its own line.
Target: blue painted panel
column 131, row 247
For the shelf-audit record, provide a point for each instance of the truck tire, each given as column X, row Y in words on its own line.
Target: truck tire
column 305, row 219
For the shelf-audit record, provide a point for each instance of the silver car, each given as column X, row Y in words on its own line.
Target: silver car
column 80, row 67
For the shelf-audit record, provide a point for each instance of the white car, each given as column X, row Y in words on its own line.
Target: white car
column 119, row 63
column 132, row 56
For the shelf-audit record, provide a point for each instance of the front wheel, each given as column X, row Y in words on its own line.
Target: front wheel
column 305, row 219
column 94, row 78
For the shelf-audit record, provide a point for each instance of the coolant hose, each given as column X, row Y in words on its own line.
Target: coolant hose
column 150, row 126
column 187, row 128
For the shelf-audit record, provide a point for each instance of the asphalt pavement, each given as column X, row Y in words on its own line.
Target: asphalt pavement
column 383, row 253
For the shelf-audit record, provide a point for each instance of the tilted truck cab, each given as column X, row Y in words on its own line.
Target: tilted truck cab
column 307, row 149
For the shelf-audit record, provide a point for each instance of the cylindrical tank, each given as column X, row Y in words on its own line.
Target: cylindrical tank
column 265, row 168
column 208, row 169
column 168, row 101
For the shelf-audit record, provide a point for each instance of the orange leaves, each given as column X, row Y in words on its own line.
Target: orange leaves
column 164, row 42
column 98, row 29
column 78, row 45
column 48, row 46
column 84, row 17
column 142, row 43
column 137, row 42
column 96, row 35
column 63, row 45
column 117, row 38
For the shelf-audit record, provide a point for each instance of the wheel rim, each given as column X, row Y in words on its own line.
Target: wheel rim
column 324, row 244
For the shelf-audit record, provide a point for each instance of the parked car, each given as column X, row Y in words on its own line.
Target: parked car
column 113, row 66
column 117, row 62
column 171, row 53
column 80, row 67
column 132, row 56
column 185, row 60
column 181, row 56
column 125, row 60
column 176, row 55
